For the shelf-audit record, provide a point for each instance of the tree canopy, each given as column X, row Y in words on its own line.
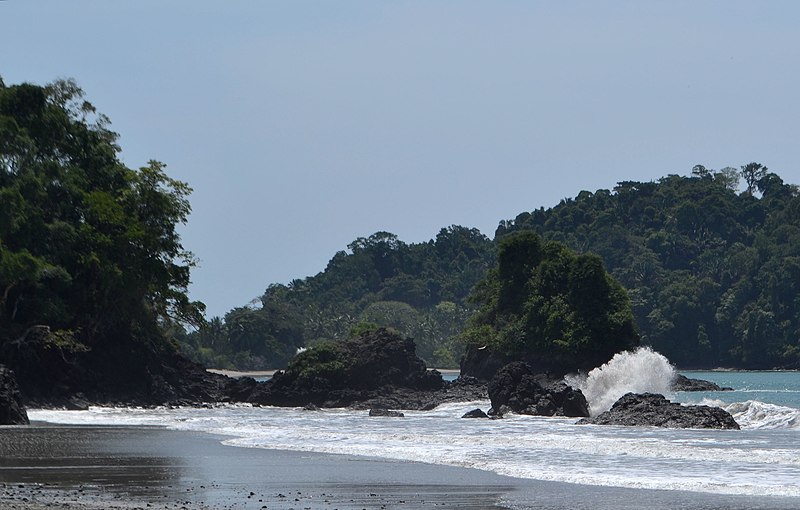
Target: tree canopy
column 545, row 304
column 89, row 248
column 712, row 272
column 420, row 290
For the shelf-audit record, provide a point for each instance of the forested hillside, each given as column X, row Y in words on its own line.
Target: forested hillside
column 420, row 290
column 711, row 262
column 544, row 304
column 713, row 273
column 91, row 264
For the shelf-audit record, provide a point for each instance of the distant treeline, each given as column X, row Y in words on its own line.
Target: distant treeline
column 420, row 290
column 712, row 272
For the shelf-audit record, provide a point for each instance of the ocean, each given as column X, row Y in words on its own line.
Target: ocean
column 762, row 459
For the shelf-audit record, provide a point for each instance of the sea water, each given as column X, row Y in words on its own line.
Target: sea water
column 762, row 459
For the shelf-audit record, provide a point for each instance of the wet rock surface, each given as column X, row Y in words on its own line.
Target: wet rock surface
column 516, row 388
column 683, row 383
column 386, row 413
column 12, row 410
column 379, row 369
column 124, row 373
column 650, row 409
column 475, row 413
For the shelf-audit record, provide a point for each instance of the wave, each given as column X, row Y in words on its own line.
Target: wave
column 639, row 371
column 540, row 448
column 753, row 414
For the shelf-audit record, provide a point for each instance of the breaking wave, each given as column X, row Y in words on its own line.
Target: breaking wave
column 760, row 415
column 639, row 371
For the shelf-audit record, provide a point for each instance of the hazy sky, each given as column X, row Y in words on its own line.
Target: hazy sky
column 303, row 125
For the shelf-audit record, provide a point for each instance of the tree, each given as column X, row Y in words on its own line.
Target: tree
column 88, row 246
column 752, row 173
column 547, row 305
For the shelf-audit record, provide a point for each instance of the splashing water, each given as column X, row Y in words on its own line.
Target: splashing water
column 639, row 371
column 760, row 415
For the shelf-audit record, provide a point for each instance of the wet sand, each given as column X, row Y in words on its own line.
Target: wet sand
column 80, row 467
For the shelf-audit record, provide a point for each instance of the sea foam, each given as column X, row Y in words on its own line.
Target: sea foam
column 639, row 371
column 753, row 414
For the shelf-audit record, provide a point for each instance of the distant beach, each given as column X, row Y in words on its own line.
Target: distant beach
column 448, row 373
column 127, row 467
column 255, row 374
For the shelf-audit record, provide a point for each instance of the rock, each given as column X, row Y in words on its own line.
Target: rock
column 475, row 413
column 12, row 411
column 78, row 402
column 649, row 409
column 683, row 383
column 386, row 412
column 517, row 387
column 56, row 373
column 377, row 369
column 482, row 363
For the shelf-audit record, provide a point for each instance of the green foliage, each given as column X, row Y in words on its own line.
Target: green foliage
column 550, row 306
column 88, row 247
column 363, row 328
column 325, row 359
column 711, row 272
column 419, row 290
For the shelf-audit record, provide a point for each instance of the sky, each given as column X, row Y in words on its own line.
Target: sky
column 302, row 125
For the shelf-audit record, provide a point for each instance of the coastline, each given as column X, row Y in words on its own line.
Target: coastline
column 125, row 467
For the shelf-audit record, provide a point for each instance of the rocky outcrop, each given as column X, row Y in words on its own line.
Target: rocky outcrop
column 378, row 369
column 649, row 409
column 482, row 363
column 683, row 383
column 475, row 413
column 12, row 411
column 55, row 371
column 386, row 413
column 516, row 388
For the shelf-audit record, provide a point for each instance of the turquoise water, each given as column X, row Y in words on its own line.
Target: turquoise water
column 761, row 460
column 778, row 388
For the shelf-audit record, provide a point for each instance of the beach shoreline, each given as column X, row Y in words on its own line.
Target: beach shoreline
column 48, row 466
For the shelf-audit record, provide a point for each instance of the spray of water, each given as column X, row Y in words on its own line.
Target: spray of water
column 639, row 371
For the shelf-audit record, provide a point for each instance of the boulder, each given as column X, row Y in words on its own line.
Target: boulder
column 650, row 409
column 55, row 370
column 683, row 383
column 475, row 413
column 376, row 369
column 12, row 411
column 386, row 413
column 516, row 387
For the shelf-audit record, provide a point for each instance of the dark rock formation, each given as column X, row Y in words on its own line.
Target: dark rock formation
column 482, row 363
column 55, row 373
column 12, row 411
column 378, row 369
column 385, row 413
column 649, row 409
column 683, row 383
column 475, row 413
column 516, row 386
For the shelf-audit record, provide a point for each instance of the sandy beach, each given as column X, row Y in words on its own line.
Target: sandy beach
column 118, row 467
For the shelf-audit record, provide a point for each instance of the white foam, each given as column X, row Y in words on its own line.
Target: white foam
column 639, row 371
column 760, row 415
column 541, row 448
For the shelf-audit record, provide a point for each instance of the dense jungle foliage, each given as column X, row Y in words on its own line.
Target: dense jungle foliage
column 89, row 253
column 90, row 258
column 419, row 290
column 712, row 272
column 544, row 304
